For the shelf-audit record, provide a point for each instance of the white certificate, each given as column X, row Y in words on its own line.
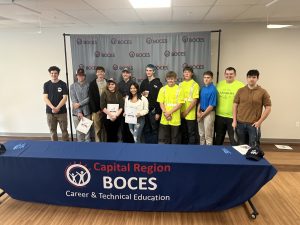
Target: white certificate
column 84, row 125
column 112, row 108
column 243, row 149
column 130, row 115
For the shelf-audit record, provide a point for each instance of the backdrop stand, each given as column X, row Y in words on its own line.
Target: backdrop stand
column 67, row 77
column 219, row 51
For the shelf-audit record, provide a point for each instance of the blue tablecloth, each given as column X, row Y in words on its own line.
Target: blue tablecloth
column 131, row 176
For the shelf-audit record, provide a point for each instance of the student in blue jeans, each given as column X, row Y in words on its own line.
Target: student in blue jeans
column 140, row 103
column 248, row 113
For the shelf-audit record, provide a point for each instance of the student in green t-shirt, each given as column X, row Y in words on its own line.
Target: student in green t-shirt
column 226, row 91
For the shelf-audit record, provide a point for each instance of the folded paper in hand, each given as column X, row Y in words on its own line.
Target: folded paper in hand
column 84, row 125
column 112, row 108
column 130, row 115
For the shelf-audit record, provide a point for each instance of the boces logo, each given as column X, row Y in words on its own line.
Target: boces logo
column 104, row 54
column 167, row 53
column 115, row 67
column 150, row 40
column 133, row 54
column 116, row 41
column 78, row 175
column 195, row 66
column 97, row 54
column 121, row 67
column 79, row 41
column 192, row 39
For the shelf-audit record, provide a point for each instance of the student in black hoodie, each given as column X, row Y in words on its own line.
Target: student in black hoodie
column 150, row 88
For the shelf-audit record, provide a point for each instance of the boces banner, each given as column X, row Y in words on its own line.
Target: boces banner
column 167, row 51
column 123, row 176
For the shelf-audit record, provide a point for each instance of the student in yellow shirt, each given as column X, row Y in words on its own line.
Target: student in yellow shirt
column 226, row 91
column 170, row 98
column 190, row 90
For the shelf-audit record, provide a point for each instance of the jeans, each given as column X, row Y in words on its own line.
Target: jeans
column 169, row 134
column 150, row 131
column 223, row 124
column 62, row 120
column 136, row 129
column 248, row 134
column 188, row 130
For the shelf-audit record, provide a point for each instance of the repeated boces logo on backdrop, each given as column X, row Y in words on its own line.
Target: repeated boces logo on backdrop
column 194, row 66
column 150, row 40
column 161, row 67
column 116, row 41
column 118, row 50
column 186, row 39
column 121, row 67
column 168, row 53
column 81, row 41
column 115, row 67
column 88, row 67
column 104, row 54
column 133, row 54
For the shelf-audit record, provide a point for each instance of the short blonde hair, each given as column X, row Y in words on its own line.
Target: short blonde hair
column 171, row 74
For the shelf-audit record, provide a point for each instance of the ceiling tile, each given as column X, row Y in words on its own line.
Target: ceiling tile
column 189, row 13
column 54, row 4
column 121, row 15
column 185, row 3
column 225, row 13
column 237, row 2
column 150, row 15
column 113, row 4
column 258, row 13
column 88, row 16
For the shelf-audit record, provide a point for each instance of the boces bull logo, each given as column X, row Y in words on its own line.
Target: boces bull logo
column 78, row 175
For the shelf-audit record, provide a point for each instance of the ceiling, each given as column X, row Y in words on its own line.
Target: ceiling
column 89, row 13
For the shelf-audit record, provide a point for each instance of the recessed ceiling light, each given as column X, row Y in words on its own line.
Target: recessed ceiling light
column 150, row 3
column 277, row 26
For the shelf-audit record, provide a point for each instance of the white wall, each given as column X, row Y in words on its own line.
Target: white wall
column 25, row 57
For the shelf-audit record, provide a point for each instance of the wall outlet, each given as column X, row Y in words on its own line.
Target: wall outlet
column 298, row 124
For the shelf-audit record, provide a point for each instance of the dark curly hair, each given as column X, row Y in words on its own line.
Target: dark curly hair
column 53, row 68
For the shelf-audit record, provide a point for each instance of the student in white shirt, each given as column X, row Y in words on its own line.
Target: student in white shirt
column 139, row 104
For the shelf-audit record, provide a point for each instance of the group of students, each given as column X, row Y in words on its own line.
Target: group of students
column 167, row 114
